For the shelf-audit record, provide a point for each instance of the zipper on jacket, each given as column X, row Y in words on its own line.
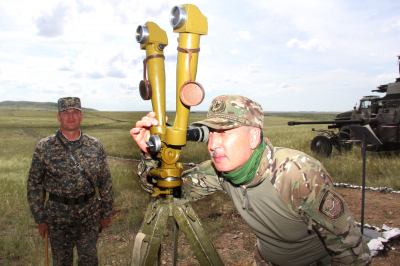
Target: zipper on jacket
column 245, row 200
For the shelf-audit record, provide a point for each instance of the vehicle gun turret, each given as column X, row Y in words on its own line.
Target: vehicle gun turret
column 382, row 114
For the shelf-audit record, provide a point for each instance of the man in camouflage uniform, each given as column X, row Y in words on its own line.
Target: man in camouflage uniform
column 285, row 196
column 73, row 216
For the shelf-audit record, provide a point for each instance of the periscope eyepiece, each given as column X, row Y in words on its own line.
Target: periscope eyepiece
column 177, row 17
column 197, row 134
column 142, row 34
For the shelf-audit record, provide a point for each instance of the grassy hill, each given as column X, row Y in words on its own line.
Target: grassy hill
column 46, row 106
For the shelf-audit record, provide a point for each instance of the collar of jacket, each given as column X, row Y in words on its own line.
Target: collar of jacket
column 265, row 163
column 83, row 139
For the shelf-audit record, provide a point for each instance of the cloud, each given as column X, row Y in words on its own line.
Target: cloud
column 235, row 51
column 52, row 25
column 284, row 86
column 95, row 75
column 127, row 88
column 64, row 68
column 236, row 80
column 386, row 77
column 84, row 8
column 136, row 61
column 396, row 24
column 77, row 75
column 116, row 59
column 23, row 85
column 205, row 49
column 254, row 68
column 53, row 90
column 340, row 71
column 273, row 89
column 312, row 44
column 115, row 73
column 75, row 85
column 243, row 36
column 157, row 10
column 67, row 64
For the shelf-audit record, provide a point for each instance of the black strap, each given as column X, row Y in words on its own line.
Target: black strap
column 75, row 162
column 71, row 201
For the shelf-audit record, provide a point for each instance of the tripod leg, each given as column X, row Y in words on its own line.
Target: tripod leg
column 176, row 235
column 190, row 225
column 147, row 247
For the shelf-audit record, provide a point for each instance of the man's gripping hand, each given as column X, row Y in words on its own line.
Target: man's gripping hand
column 141, row 133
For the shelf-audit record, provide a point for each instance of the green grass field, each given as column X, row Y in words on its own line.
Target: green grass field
column 20, row 130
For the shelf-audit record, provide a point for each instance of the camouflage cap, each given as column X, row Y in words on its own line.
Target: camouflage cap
column 230, row 111
column 69, row 103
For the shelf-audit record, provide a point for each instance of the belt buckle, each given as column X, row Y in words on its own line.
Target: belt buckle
column 71, row 201
column 81, row 199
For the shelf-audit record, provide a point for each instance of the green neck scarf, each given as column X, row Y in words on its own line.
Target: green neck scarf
column 245, row 174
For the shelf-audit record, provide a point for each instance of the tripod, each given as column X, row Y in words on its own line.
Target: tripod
column 146, row 251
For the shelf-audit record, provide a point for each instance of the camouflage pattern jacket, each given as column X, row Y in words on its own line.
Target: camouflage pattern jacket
column 52, row 170
column 291, row 206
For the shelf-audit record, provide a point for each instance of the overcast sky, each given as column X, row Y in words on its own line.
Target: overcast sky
column 289, row 55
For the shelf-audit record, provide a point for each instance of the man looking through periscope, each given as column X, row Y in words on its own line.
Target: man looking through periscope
column 285, row 196
column 69, row 165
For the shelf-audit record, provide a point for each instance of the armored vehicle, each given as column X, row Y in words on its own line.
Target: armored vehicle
column 382, row 114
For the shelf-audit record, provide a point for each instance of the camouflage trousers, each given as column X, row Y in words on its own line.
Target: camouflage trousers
column 73, row 225
column 64, row 237
column 260, row 261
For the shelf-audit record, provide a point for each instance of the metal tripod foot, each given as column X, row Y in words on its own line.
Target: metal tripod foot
column 148, row 240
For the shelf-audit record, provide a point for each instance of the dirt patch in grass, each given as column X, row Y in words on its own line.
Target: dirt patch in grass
column 380, row 208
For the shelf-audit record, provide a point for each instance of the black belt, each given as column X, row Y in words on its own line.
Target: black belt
column 71, row 201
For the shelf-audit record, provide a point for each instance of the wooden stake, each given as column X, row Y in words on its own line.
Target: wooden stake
column 46, row 247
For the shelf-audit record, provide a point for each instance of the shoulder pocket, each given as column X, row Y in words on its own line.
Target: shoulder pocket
column 57, row 157
column 330, row 211
column 91, row 154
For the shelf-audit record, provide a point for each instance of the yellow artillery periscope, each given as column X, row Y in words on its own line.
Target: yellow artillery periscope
column 166, row 142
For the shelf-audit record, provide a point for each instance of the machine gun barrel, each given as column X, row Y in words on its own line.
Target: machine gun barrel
column 338, row 122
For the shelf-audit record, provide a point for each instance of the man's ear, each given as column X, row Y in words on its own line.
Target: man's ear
column 255, row 139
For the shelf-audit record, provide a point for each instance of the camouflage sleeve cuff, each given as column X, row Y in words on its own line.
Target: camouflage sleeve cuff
column 107, row 210
column 145, row 165
column 39, row 218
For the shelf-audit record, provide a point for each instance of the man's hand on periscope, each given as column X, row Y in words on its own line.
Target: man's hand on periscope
column 141, row 133
column 43, row 229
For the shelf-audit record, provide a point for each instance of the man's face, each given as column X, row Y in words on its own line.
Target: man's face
column 229, row 149
column 70, row 120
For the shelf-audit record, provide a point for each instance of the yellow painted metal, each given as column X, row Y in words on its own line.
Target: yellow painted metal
column 189, row 38
column 156, row 35
column 196, row 22
column 156, row 74
column 165, row 172
column 158, row 173
column 169, row 184
column 169, row 173
column 161, row 192
column 172, row 138
column 170, row 155
column 177, row 135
